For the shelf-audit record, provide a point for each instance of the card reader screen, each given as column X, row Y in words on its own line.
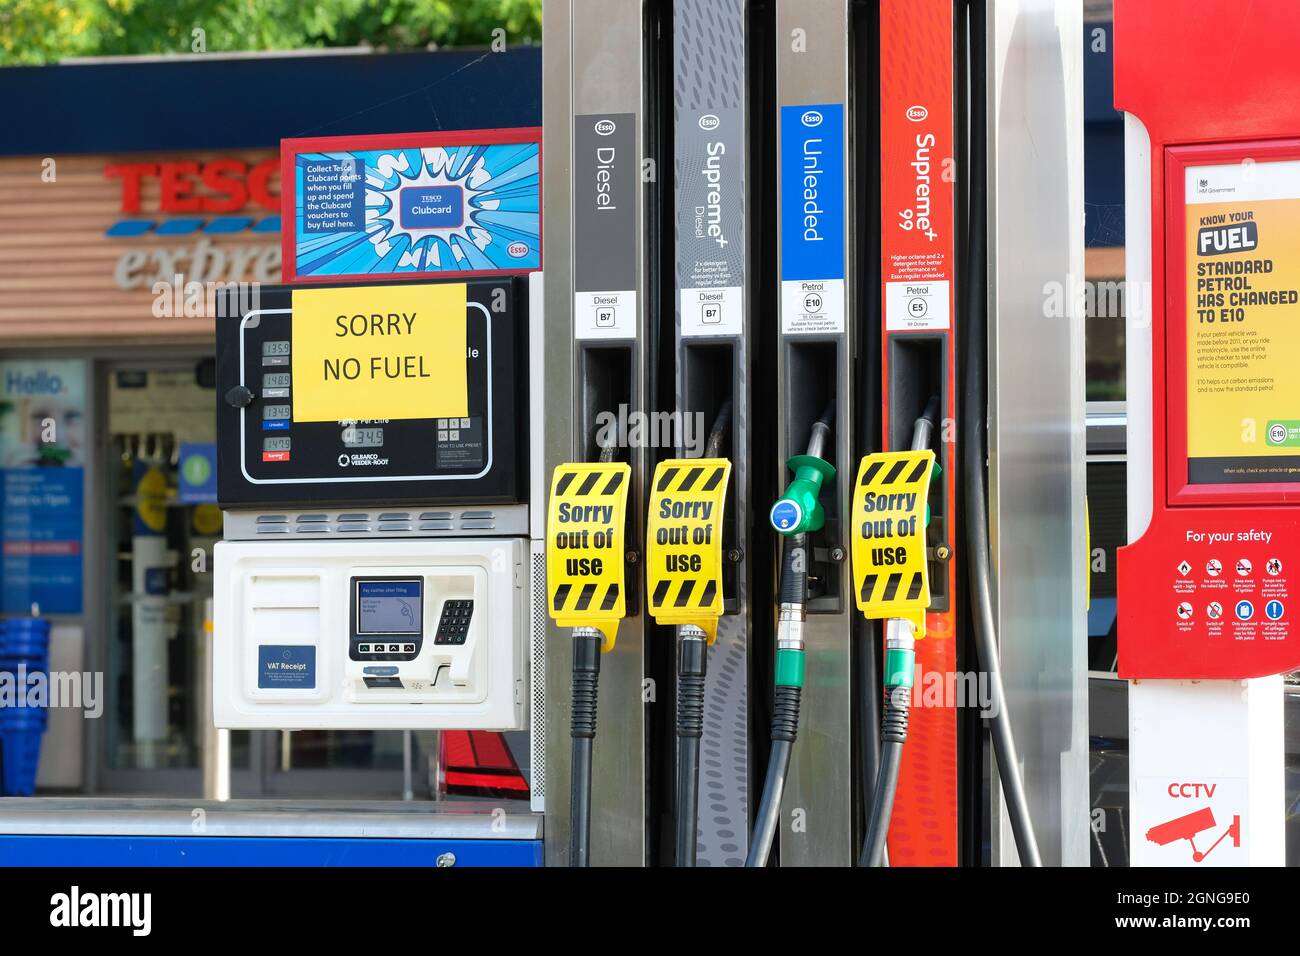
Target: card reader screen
column 389, row 607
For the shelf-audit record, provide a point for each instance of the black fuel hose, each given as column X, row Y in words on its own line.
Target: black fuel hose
column 785, row 705
column 692, row 666
column 897, row 696
column 974, row 457
column 692, row 660
column 587, row 642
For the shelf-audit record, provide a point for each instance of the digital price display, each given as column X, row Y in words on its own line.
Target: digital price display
column 275, row 412
column 363, row 437
column 279, row 347
column 276, row 443
column 275, row 380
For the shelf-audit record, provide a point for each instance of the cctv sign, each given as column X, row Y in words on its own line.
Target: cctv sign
column 1189, row 821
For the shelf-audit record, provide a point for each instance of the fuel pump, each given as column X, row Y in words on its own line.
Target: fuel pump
column 715, row 347
column 818, row 299
column 839, row 334
column 795, row 515
column 586, row 592
column 372, row 572
column 684, row 584
column 602, row 112
column 891, row 515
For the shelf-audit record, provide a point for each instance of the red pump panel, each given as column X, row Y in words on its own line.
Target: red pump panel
column 1211, row 589
column 918, row 252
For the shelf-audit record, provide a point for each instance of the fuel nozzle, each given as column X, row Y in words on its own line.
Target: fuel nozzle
column 799, row 509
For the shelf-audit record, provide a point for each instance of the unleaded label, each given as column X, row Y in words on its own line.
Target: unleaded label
column 812, row 219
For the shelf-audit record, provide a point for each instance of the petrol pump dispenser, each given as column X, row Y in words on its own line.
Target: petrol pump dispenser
column 684, row 583
column 713, row 382
column 603, row 115
column 586, row 591
column 373, row 465
column 916, row 318
column 1212, row 197
column 815, row 351
column 376, row 453
column 824, row 153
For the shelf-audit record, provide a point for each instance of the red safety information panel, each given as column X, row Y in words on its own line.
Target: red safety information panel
column 917, row 247
column 1211, row 588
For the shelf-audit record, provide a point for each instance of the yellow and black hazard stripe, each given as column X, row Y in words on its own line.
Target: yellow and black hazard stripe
column 890, row 585
column 583, row 598
column 588, row 486
column 687, row 478
column 888, row 476
column 662, row 597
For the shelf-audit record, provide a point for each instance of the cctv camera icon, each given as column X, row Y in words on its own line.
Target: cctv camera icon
column 1187, row 826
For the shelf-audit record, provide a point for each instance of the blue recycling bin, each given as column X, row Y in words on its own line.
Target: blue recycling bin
column 25, row 637
column 24, row 651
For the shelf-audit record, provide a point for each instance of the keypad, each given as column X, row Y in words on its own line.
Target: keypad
column 453, row 626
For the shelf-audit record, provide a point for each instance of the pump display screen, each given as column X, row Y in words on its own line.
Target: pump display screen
column 363, row 437
column 275, row 348
column 389, row 607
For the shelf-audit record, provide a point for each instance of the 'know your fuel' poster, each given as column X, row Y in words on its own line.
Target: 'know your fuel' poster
column 1243, row 322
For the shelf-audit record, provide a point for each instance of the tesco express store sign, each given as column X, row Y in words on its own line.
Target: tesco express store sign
column 207, row 220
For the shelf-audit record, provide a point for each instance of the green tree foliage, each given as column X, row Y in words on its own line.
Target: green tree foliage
column 45, row 31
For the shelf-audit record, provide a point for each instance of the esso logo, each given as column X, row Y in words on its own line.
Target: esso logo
column 811, row 118
column 709, row 122
column 917, row 113
column 517, row 249
column 605, row 127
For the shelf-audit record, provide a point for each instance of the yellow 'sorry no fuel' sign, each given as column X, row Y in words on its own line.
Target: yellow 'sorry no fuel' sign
column 379, row 352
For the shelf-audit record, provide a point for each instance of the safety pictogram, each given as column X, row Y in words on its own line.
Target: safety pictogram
column 1187, row 826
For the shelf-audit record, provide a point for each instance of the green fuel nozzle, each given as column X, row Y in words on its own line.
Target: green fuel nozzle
column 797, row 510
